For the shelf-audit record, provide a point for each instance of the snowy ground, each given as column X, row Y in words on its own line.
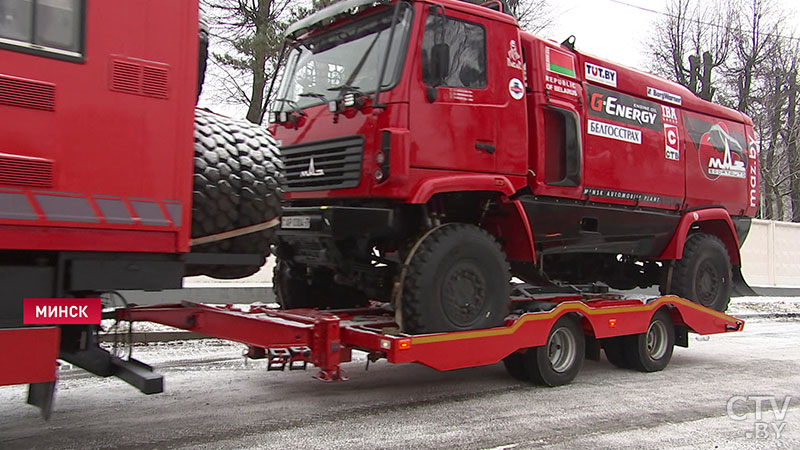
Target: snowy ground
column 213, row 399
column 768, row 306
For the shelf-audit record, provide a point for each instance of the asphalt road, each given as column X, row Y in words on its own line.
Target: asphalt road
column 221, row 403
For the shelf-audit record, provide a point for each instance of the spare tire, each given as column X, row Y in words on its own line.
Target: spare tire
column 238, row 179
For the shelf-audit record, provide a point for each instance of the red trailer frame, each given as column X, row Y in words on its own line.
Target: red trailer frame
column 327, row 338
column 293, row 338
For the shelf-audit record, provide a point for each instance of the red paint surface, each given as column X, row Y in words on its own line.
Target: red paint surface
column 28, row 355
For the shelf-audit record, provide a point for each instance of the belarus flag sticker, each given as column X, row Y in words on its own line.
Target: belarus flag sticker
column 560, row 62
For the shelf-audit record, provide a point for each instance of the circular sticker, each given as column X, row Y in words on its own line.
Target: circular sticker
column 516, row 89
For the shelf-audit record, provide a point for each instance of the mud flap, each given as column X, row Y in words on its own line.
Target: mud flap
column 740, row 287
column 41, row 395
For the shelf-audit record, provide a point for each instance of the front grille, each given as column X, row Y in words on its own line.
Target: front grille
column 337, row 164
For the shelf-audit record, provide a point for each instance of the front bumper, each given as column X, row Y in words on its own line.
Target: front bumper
column 331, row 235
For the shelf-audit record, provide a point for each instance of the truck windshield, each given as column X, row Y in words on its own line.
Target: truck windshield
column 345, row 58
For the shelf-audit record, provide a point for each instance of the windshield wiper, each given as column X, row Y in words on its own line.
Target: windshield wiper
column 314, row 95
column 345, row 88
column 348, row 85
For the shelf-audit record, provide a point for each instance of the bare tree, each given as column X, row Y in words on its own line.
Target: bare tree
column 762, row 81
column 249, row 38
column 754, row 37
column 534, row 16
column 691, row 41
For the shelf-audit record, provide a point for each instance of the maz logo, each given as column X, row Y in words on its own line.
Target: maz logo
column 312, row 171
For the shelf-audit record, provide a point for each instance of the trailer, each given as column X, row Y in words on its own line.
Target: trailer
column 544, row 340
column 638, row 333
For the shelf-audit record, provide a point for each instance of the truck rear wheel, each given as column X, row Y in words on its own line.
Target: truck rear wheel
column 237, row 183
column 456, row 279
column 703, row 275
column 560, row 359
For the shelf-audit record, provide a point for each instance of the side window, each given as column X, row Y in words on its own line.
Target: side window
column 467, row 51
column 45, row 27
column 562, row 150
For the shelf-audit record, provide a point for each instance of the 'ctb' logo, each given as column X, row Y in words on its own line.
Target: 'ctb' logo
column 672, row 142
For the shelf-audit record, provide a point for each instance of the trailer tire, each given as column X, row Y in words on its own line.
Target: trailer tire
column 652, row 351
column 703, row 274
column 515, row 366
column 558, row 361
column 614, row 349
column 238, row 178
column 294, row 287
column 457, row 279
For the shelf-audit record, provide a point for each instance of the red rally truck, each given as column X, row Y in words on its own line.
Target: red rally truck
column 482, row 144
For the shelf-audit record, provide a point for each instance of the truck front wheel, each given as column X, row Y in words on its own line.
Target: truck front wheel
column 457, row 279
column 703, row 275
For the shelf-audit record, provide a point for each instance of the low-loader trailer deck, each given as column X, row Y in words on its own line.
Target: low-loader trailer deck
column 544, row 340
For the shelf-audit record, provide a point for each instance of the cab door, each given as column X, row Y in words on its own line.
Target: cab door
column 468, row 113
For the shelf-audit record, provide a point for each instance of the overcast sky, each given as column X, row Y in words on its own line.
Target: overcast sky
column 617, row 32
column 603, row 28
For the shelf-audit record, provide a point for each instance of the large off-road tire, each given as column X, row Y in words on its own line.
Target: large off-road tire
column 560, row 359
column 297, row 287
column 703, row 275
column 237, row 182
column 456, row 279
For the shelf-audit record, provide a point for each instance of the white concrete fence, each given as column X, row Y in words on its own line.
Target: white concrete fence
column 770, row 257
column 771, row 254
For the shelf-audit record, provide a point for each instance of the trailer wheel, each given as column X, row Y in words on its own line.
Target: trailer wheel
column 515, row 366
column 237, row 182
column 703, row 275
column 614, row 349
column 457, row 279
column 295, row 287
column 558, row 361
column 652, row 351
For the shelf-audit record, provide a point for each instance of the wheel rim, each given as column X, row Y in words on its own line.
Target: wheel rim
column 708, row 283
column 561, row 350
column 657, row 338
column 464, row 294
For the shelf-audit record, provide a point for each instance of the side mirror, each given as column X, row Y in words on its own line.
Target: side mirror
column 440, row 62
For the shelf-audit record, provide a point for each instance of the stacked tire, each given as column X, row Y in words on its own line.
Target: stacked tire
column 238, row 176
